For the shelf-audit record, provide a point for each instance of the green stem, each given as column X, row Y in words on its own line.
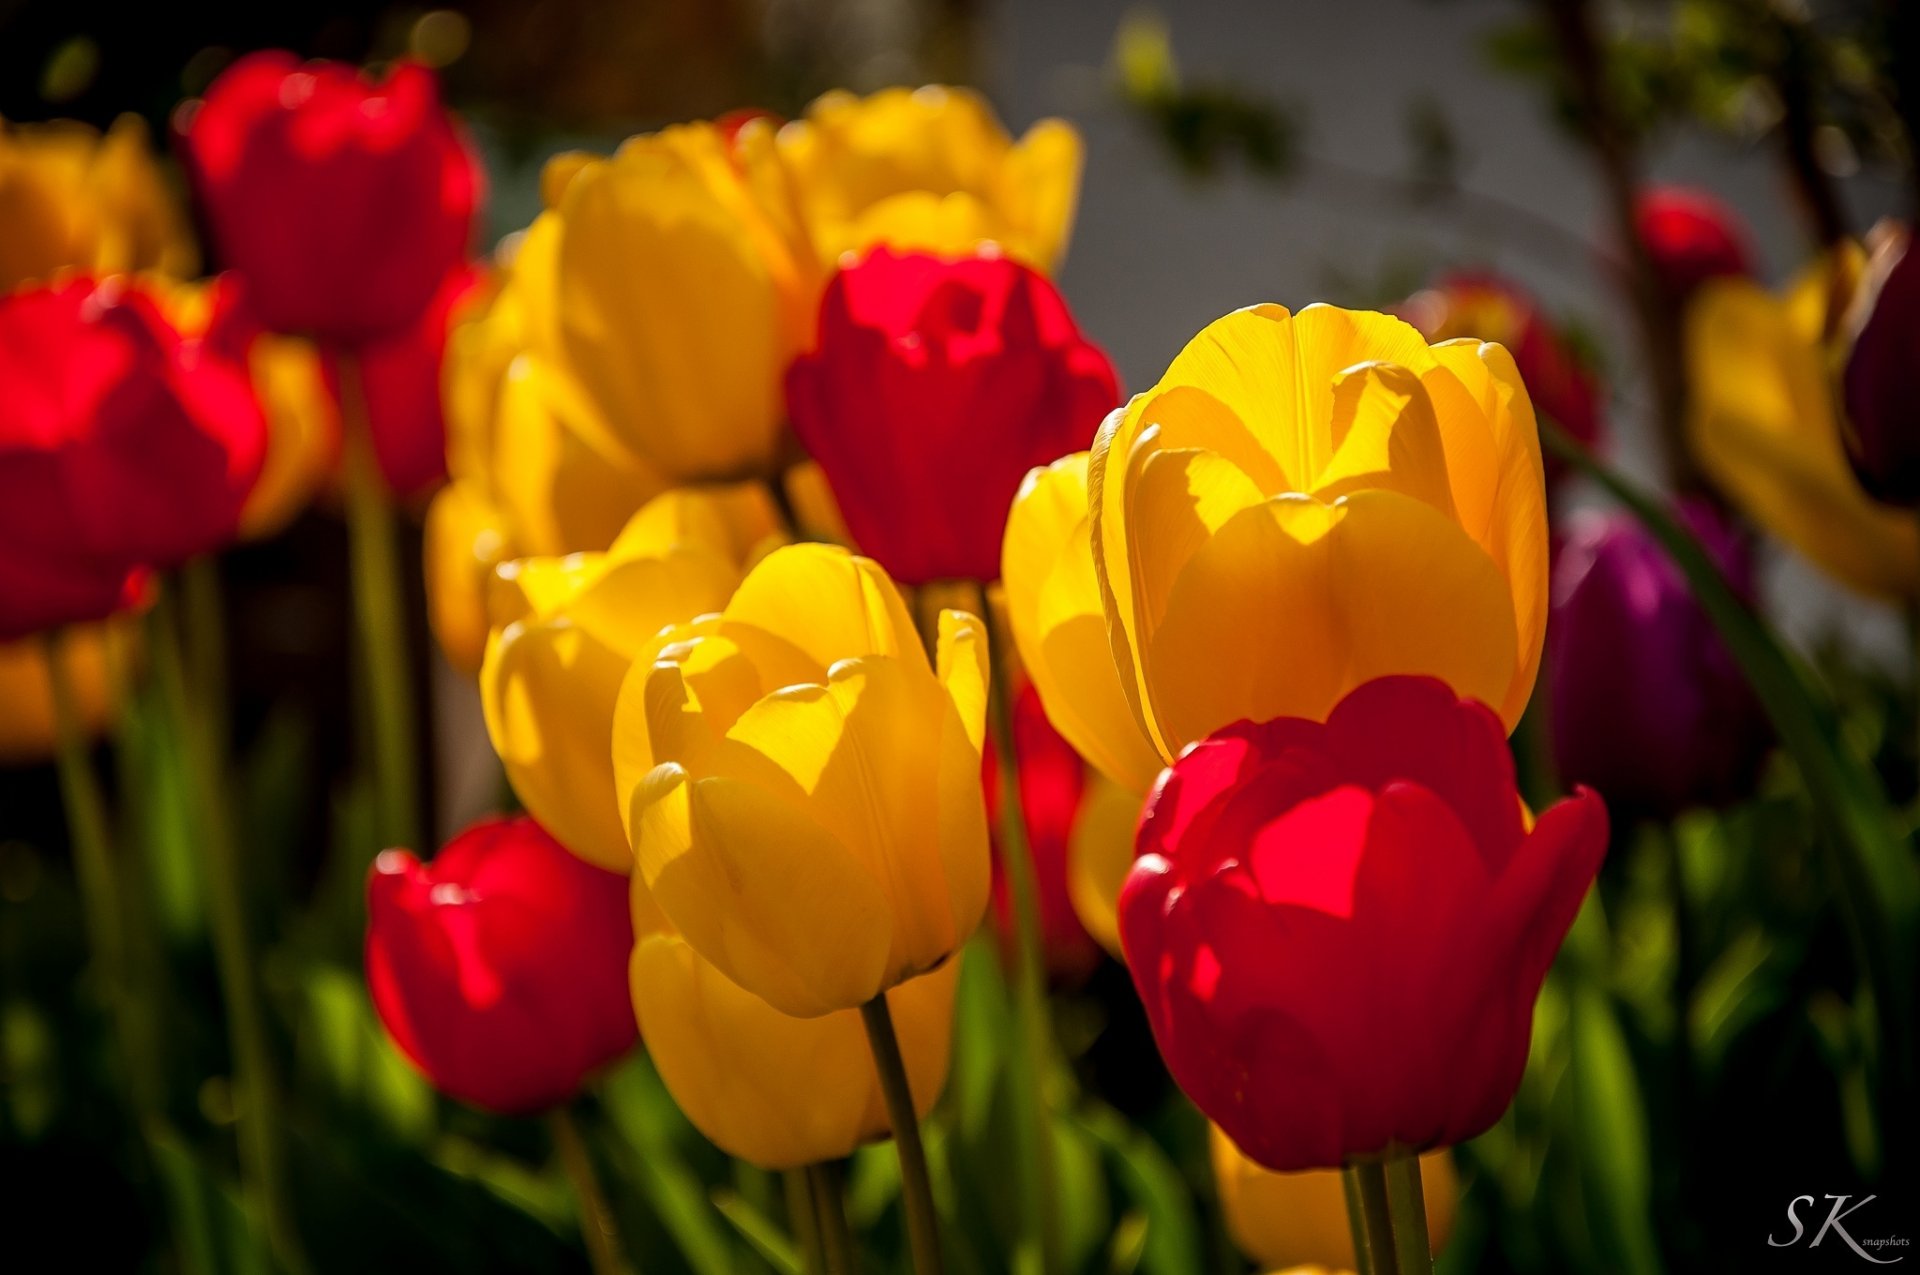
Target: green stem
column 804, row 1219
column 916, row 1189
column 1030, row 985
column 1370, row 1215
column 207, row 645
column 597, row 1226
column 830, row 1209
column 256, row 1088
column 1407, row 1208
column 380, row 619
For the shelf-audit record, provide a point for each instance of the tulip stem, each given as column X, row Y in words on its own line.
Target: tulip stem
column 1371, row 1216
column 832, row 1239
column 804, row 1218
column 1407, row 1208
column 1030, row 987
column 916, row 1189
column 380, row 618
column 597, row 1226
column 256, row 1090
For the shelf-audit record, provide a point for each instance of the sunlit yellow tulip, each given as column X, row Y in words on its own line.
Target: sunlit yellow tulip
column 1762, row 422
column 70, row 197
column 683, row 286
column 564, row 630
column 803, row 790
column 26, row 694
column 1099, row 856
column 932, row 169
column 777, row 1091
column 1289, row 1219
column 1302, row 504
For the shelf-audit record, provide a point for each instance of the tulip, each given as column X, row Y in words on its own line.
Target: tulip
column 1488, row 307
column 1881, row 424
column 27, row 726
column 71, row 198
column 1054, row 790
column 802, row 789
column 1338, row 931
column 1300, row 1219
column 936, row 384
column 1303, row 503
column 1646, row 704
column 1761, row 423
column 123, row 446
column 777, row 1091
column 931, row 169
column 345, row 203
column 496, row 968
column 1692, row 237
column 565, row 630
column 683, row 285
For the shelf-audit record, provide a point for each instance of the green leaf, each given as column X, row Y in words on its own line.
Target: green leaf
column 645, row 1115
column 758, row 1230
column 1611, row 1136
column 1170, row 1242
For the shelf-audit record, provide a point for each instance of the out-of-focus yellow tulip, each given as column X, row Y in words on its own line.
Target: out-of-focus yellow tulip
column 777, row 1091
column 563, row 632
column 1762, row 422
column 463, row 544
column 1099, row 857
column 26, row 693
column 70, row 197
column 932, row 169
column 1302, row 504
column 1300, row 1219
column 683, row 286
column 802, row 790
column 303, row 432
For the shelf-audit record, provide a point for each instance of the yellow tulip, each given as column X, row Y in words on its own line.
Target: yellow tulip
column 464, row 542
column 26, row 722
column 1289, row 1219
column 802, row 789
column 1303, row 503
column 683, row 286
column 1099, row 856
column 564, row 630
column 1762, row 422
column 303, row 432
column 70, row 197
column 777, row 1091
column 932, row 169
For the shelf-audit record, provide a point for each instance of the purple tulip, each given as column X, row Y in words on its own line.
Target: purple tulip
column 1646, row 704
column 1882, row 430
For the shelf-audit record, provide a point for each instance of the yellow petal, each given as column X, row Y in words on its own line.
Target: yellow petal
column 463, row 544
column 766, row 894
column 27, row 724
column 826, row 603
column 1043, row 176
column 1385, row 436
column 1099, row 855
column 1292, row 604
column 962, row 652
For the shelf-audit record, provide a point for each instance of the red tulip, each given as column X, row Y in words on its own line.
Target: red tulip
column 1053, row 781
column 1692, row 237
column 400, row 381
column 1339, row 930
column 1881, row 427
column 500, row 968
column 123, row 446
column 936, row 385
column 344, row 203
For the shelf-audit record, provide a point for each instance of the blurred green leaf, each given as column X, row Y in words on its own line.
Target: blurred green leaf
column 1170, row 1236
column 758, row 1230
column 645, row 1115
column 345, row 1050
column 1611, row 1136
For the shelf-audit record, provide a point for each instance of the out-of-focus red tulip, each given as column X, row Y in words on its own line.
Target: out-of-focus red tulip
column 1881, row 384
column 1338, row 930
column 1692, row 237
column 500, row 968
column 345, row 203
column 1645, row 702
column 123, row 446
column 1489, row 307
column 1053, row 784
column 400, row 379
column 936, row 385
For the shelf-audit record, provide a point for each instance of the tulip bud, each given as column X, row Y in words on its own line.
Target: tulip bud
column 935, row 386
column 344, row 203
column 802, row 790
column 1881, row 424
column 498, row 968
column 1338, row 931
column 1692, row 237
column 123, row 446
column 1300, row 1219
column 1646, row 703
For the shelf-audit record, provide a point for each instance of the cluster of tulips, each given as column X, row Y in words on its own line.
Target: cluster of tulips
column 825, row 594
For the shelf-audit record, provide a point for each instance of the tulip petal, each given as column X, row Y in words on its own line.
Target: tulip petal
column 1043, row 182
column 1099, row 854
column 962, row 656
column 828, row 604
column 775, row 901
column 1385, row 435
